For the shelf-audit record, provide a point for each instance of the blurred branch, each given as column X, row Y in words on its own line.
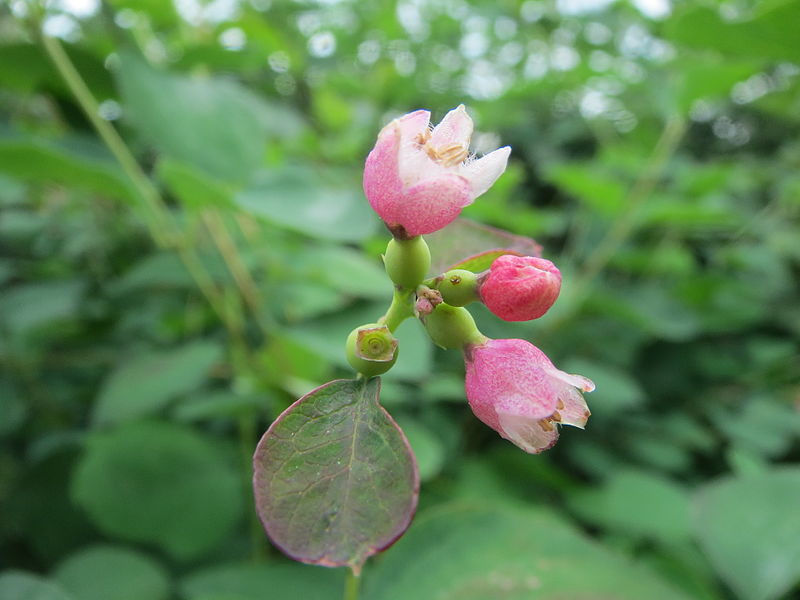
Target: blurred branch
column 158, row 219
column 230, row 254
column 615, row 237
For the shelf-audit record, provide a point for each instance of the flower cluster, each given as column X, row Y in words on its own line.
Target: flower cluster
column 417, row 179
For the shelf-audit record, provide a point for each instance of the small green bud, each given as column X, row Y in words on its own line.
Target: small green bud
column 371, row 349
column 407, row 261
column 452, row 327
column 459, row 287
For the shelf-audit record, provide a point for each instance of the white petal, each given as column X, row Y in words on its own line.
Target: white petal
column 526, row 433
column 482, row 173
column 574, row 411
column 455, row 128
column 579, row 381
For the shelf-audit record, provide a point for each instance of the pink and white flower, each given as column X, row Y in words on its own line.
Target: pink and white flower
column 418, row 179
column 520, row 288
column 514, row 388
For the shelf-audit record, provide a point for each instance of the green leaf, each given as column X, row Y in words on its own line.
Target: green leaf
column 463, row 238
column 482, row 261
column 335, row 479
column 195, row 189
column 502, row 552
column 639, row 504
column 147, row 383
column 301, row 199
column 771, row 34
column 72, row 162
column 34, row 305
column 112, row 573
column 213, row 124
column 262, row 582
column 428, row 448
column 13, row 409
column 18, row 585
column 750, row 529
column 159, row 483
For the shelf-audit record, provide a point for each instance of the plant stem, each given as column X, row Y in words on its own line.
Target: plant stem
column 352, row 582
column 156, row 212
column 399, row 310
column 615, row 237
column 157, row 215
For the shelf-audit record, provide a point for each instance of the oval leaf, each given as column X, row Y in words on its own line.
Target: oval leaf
column 334, row 477
column 749, row 527
column 467, row 238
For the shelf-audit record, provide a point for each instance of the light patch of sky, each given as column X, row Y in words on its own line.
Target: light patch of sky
column 510, row 54
column 532, row 11
column 61, row 26
column 233, row 39
column 410, row 17
column 600, row 61
column 581, row 7
column 405, row 63
column 369, row 51
column 485, row 81
column 216, row 11
column 505, row 28
column 653, row 9
column 322, row 44
column 535, row 67
column 564, row 58
column 474, row 44
column 81, row 9
column 596, row 33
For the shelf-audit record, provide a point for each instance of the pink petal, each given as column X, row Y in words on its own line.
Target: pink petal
column 483, row 172
column 382, row 182
column 413, row 123
column 455, row 128
column 529, row 434
column 428, row 206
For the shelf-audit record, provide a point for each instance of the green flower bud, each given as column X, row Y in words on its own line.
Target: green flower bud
column 371, row 349
column 407, row 261
column 452, row 327
column 459, row 287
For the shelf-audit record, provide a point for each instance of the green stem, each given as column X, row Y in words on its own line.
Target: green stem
column 157, row 214
column 400, row 309
column 352, row 583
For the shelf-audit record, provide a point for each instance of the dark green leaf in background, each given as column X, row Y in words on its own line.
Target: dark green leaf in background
column 159, row 483
column 112, row 573
column 515, row 554
column 18, row 585
column 750, row 529
column 148, row 382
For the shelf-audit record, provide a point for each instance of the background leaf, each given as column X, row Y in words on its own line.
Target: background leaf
column 130, row 479
column 750, row 528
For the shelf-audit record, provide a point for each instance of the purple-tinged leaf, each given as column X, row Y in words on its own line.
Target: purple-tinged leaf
column 481, row 262
column 467, row 238
column 335, row 480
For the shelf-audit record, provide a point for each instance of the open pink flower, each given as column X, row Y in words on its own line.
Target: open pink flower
column 514, row 388
column 418, row 179
column 520, row 288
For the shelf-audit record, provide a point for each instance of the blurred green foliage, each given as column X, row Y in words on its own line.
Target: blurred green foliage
column 151, row 328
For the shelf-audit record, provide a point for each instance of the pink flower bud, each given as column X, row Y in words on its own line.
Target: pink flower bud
column 520, row 288
column 418, row 179
column 514, row 388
